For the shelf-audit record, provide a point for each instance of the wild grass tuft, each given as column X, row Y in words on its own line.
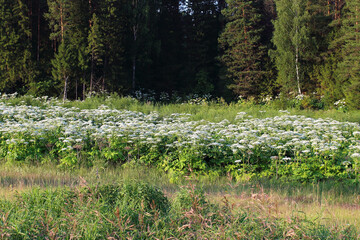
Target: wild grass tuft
column 140, row 211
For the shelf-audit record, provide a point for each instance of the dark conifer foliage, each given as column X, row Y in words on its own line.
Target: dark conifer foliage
column 16, row 65
column 73, row 48
column 348, row 68
column 169, row 58
column 243, row 51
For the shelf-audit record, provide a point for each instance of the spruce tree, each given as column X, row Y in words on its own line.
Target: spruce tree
column 95, row 48
column 171, row 52
column 329, row 84
column 77, row 35
column 16, row 66
column 349, row 68
column 138, row 11
column 292, row 42
column 113, row 24
column 243, row 51
column 61, row 70
column 201, row 30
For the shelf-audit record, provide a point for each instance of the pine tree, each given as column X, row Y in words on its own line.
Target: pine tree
column 59, row 21
column 243, row 51
column 16, row 66
column 59, row 18
column 292, row 41
column 68, row 22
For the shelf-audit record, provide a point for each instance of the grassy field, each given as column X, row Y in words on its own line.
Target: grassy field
column 213, row 111
column 197, row 207
column 101, row 194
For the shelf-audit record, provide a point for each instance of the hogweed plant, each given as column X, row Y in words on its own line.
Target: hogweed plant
column 284, row 146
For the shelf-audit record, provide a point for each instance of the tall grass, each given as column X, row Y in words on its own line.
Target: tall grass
column 138, row 210
column 211, row 111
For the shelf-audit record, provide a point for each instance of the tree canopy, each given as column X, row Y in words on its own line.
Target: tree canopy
column 224, row 48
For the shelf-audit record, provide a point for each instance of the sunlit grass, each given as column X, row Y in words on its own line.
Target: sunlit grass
column 335, row 205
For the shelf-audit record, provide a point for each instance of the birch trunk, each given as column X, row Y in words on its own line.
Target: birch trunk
column 297, row 64
column 65, row 88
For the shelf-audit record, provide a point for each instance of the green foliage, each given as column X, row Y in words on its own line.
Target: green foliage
column 96, row 46
column 195, row 46
column 349, row 68
column 293, row 44
column 16, row 67
column 201, row 27
column 62, row 66
column 243, row 51
column 177, row 153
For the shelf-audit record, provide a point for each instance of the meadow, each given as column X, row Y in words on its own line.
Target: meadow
column 208, row 170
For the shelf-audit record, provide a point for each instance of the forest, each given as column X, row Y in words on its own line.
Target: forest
column 257, row 50
column 179, row 119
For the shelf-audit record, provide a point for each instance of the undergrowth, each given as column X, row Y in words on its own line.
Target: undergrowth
column 138, row 210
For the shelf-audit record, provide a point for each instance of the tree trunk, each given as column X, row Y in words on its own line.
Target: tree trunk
column 297, row 65
column 135, row 29
column 76, row 89
column 245, row 30
column 134, row 72
column 357, row 22
column 84, row 90
column 30, row 15
column 54, row 45
column 38, row 33
column 104, row 74
column 65, row 88
column 297, row 69
column 61, row 23
column 92, row 73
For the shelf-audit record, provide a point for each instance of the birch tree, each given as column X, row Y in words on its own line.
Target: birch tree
column 292, row 44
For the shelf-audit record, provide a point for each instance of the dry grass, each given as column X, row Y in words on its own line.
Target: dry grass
column 275, row 205
column 269, row 203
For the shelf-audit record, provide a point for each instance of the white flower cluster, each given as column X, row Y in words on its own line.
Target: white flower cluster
column 340, row 104
column 299, row 135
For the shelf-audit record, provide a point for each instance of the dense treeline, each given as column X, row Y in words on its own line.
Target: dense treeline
column 258, row 48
